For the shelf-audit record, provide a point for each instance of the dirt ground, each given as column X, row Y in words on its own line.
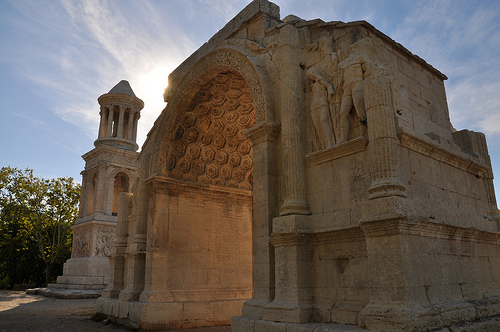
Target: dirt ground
column 20, row 312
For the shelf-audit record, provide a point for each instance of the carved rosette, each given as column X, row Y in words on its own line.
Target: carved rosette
column 208, row 144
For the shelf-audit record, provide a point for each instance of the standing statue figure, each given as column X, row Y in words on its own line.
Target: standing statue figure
column 322, row 92
column 352, row 71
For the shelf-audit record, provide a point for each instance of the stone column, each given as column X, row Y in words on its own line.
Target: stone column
column 292, row 123
column 130, row 124
column 121, row 117
column 134, row 132
column 382, row 139
column 102, row 123
column 111, row 114
column 116, row 260
column 265, row 183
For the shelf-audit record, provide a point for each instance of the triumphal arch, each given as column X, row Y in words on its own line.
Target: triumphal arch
column 306, row 174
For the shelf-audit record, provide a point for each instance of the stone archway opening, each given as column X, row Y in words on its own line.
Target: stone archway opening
column 209, row 146
column 210, row 175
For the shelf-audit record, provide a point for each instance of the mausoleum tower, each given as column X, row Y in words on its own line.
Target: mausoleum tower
column 110, row 168
column 120, row 112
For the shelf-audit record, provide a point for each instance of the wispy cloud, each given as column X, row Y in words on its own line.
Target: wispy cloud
column 460, row 39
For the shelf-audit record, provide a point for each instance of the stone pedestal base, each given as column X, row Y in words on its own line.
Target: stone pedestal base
column 169, row 315
column 84, row 273
column 246, row 324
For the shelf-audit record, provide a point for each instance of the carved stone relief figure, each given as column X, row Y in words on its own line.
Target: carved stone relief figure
column 324, row 112
column 105, row 240
column 353, row 69
column 322, row 95
column 81, row 243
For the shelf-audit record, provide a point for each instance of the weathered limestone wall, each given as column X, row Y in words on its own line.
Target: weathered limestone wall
column 368, row 208
column 207, row 271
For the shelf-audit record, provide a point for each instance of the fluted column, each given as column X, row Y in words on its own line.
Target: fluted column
column 102, row 123
column 111, row 114
column 134, row 132
column 382, row 138
column 121, row 117
column 292, row 123
column 130, row 125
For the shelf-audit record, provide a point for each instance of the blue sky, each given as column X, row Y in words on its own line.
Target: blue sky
column 57, row 57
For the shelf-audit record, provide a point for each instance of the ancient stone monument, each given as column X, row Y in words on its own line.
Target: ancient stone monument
column 110, row 169
column 310, row 170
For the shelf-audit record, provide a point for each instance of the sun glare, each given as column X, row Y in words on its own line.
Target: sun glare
column 149, row 86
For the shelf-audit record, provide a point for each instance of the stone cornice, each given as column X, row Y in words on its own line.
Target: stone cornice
column 398, row 224
column 435, row 152
column 93, row 222
column 112, row 149
column 339, row 25
column 337, row 151
column 175, row 184
column 264, row 131
column 301, row 237
column 116, row 157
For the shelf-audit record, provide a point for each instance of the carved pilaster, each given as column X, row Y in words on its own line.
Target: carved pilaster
column 116, row 260
column 382, row 137
column 264, row 138
column 100, row 188
column 293, row 295
column 292, row 103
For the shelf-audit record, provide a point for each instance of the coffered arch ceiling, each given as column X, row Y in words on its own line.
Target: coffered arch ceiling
column 208, row 144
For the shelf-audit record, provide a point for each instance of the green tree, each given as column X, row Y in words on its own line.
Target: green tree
column 35, row 219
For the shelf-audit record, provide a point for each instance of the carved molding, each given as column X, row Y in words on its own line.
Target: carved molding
column 265, row 131
column 337, row 151
column 111, row 155
column 433, row 151
column 398, row 224
column 165, row 184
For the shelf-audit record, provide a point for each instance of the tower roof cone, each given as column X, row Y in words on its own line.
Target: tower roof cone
column 123, row 87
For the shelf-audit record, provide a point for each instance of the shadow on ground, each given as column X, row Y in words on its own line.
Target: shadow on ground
column 21, row 312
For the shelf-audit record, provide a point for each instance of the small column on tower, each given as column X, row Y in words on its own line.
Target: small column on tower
column 120, row 130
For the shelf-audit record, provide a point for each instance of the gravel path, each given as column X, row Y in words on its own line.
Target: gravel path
column 20, row 312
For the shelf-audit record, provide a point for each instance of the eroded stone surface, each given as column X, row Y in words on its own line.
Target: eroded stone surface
column 316, row 163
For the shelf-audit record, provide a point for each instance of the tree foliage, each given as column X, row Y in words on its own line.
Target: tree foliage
column 35, row 219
